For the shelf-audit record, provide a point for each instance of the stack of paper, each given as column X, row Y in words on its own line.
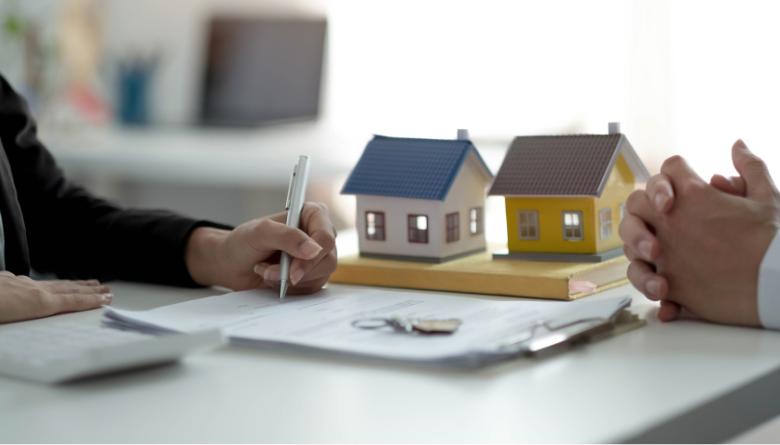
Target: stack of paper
column 493, row 328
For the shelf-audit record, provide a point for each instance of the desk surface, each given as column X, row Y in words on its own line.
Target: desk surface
column 656, row 383
column 249, row 157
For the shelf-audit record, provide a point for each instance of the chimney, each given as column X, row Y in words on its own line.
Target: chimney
column 463, row 134
column 614, row 128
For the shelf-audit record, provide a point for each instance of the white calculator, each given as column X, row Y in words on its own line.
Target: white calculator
column 59, row 349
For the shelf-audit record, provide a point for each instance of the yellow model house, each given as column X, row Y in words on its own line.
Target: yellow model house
column 565, row 195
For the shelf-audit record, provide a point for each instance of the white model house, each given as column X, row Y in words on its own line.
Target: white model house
column 420, row 199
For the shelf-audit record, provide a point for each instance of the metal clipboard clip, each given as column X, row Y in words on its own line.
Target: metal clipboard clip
column 548, row 335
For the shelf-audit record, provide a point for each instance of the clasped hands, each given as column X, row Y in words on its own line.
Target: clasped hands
column 697, row 247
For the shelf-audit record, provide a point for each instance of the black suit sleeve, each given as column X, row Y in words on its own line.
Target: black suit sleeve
column 76, row 235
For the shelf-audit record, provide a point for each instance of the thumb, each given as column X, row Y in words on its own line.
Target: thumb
column 758, row 183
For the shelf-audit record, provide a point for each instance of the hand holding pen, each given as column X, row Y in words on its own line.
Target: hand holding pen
column 253, row 254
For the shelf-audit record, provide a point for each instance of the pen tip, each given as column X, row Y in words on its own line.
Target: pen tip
column 282, row 289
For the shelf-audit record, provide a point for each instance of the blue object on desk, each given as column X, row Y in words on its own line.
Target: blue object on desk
column 135, row 80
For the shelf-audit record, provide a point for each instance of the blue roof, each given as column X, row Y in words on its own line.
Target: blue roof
column 409, row 168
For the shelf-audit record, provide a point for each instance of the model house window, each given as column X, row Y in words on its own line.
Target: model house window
column 475, row 220
column 528, row 224
column 605, row 223
column 453, row 227
column 418, row 228
column 572, row 225
column 375, row 226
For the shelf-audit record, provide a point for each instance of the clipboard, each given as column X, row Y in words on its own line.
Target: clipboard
column 587, row 324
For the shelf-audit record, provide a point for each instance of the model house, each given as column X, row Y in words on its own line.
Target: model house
column 420, row 199
column 565, row 195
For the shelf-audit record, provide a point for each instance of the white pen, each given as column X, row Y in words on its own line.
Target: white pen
column 296, row 194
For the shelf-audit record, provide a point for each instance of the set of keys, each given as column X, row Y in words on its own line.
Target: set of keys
column 424, row 326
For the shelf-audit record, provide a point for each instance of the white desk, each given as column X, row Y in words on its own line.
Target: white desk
column 214, row 156
column 681, row 381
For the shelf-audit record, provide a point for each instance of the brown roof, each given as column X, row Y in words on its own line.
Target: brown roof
column 563, row 165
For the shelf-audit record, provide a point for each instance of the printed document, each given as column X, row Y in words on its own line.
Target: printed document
column 324, row 321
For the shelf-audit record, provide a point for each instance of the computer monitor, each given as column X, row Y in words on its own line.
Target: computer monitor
column 262, row 70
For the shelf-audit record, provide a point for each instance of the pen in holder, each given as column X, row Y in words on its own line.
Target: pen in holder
column 134, row 81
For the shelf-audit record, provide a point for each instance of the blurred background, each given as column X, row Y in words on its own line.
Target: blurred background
column 203, row 105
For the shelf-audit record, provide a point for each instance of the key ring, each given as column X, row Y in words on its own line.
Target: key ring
column 397, row 324
column 413, row 326
column 371, row 323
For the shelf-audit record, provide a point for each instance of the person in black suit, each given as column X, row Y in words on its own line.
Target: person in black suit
column 53, row 226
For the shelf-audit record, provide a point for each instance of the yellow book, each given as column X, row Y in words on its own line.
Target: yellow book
column 481, row 274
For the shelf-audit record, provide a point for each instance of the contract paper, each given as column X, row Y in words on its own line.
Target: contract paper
column 324, row 321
